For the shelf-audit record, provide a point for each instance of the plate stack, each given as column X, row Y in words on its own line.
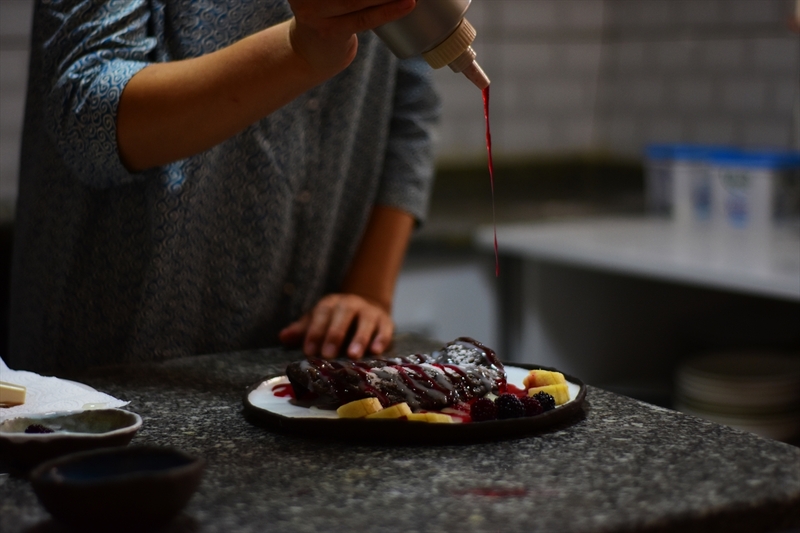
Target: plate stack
column 756, row 392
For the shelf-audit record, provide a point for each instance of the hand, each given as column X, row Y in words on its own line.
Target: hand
column 323, row 330
column 323, row 31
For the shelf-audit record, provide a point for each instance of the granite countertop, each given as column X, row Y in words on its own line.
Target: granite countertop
column 625, row 466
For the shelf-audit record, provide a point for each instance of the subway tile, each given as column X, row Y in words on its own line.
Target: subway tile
column 527, row 59
column 616, row 93
column 663, row 128
column 768, row 133
column 694, row 12
column 693, row 94
column 744, row 94
column 528, row 15
column 526, row 136
column 627, row 56
column 12, row 109
column 13, row 70
column 635, row 14
column 777, row 54
column 578, row 57
column 9, row 166
column 723, row 55
column 559, row 94
column 676, row 55
column 581, row 14
column 16, row 17
column 648, row 93
column 457, row 93
column 715, row 130
column 747, row 12
column 619, row 130
column 477, row 14
column 575, row 133
column 469, row 131
column 785, row 95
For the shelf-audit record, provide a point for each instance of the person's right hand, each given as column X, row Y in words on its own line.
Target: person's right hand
column 323, row 31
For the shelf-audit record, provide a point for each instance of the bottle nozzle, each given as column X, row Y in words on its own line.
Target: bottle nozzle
column 476, row 75
column 457, row 53
column 467, row 64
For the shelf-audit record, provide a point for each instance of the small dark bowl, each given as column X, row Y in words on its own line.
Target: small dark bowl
column 73, row 432
column 117, row 489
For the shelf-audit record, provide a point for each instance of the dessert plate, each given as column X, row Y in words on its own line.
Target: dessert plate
column 269, row 403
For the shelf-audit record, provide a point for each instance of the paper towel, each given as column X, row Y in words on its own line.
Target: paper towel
column 47, row 394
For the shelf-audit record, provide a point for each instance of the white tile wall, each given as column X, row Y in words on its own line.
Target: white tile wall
column 15, row 22
column 574, row 75
column 728, row 71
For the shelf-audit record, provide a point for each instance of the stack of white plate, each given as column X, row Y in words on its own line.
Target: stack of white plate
column 756, row 392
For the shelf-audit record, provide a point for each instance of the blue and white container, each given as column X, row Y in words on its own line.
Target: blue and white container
column 692, row 190
column 755, row 190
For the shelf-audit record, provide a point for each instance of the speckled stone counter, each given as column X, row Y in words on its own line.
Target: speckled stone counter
column 625, row 466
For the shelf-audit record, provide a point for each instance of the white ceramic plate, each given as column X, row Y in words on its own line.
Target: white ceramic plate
column 268, row 396
column 268, row 403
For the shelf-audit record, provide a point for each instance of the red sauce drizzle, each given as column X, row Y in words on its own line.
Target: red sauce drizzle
column 494, row 492
column 284, row 390
column 516, row 391
column 491, row 174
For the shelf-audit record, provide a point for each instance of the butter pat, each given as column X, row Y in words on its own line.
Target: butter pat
column 11, row 394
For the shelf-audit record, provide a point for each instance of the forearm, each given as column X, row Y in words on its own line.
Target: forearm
column 172, row 110
column 169, row 111
column 379, row 259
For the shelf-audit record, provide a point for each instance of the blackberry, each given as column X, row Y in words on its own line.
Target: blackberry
column 483, row 409
column 509, row 406
column 532, row 406
column 38, row 428
column 547, row 401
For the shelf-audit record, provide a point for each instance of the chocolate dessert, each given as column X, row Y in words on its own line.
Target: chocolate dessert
column 462, row 370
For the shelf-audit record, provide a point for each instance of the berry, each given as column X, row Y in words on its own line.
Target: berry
column 547, row 401
column 509, row 406
column 483, row 409
column 37, row 428
column 532, row 406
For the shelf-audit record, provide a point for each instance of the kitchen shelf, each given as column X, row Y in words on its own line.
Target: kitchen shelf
column 721, row 258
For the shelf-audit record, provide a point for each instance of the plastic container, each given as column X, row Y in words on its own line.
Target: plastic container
column 692, row 203
column 756, row 190
column 438, row 31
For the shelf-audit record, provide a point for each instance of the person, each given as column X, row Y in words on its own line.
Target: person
column 204, row 176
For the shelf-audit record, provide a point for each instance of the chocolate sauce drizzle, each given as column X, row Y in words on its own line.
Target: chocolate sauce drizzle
column 461, row 371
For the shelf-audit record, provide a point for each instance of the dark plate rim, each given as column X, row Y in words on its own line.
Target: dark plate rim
column 410, row 432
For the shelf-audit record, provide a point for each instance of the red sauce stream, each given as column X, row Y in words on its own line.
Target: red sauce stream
column 485, row 92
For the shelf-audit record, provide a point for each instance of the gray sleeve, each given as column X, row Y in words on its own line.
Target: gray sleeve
column 91, row 50
column 409, row 165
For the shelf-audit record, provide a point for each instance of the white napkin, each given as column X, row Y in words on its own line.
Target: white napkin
column 52, row 395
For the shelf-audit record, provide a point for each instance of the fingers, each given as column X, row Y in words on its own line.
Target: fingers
column 383, row 338
column 337, row 318
column 341, row 317
column 351, row 15
column 292, row 335
column 336, row 8
column 346, row 17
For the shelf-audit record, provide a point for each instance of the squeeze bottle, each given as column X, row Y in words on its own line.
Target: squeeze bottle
column 438, row 31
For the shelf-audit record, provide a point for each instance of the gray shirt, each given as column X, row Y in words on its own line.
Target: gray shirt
column 216, row 252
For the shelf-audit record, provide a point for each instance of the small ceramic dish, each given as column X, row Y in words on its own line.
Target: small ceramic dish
column 71, row 432
column 117, row 489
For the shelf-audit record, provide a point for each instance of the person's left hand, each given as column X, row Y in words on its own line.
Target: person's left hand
column 323, row 330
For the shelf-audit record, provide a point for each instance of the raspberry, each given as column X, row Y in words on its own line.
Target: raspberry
column 532, row 406
column 483, row 409
column 547, row 401
column 509, row 406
